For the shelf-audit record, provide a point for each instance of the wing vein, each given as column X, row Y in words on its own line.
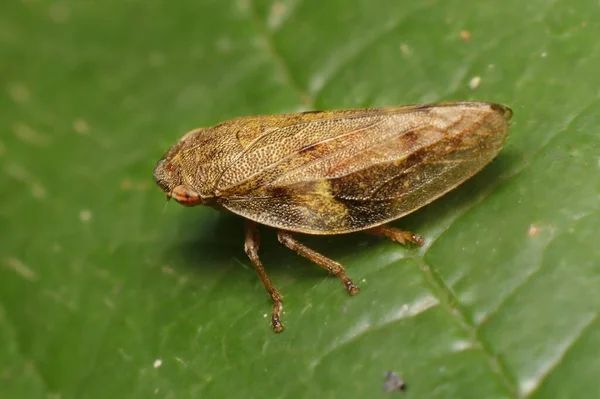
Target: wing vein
column 295, row 153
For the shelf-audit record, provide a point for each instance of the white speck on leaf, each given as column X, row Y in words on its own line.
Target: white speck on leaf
column 533, row 230
column 277, row 15
column 157, row 363
column 544, row 54
column 405, row 49
column 461, row 345
column 81, row 126
column 474, row 82
column 410, row 310
column 85, row 215
column 20, row 268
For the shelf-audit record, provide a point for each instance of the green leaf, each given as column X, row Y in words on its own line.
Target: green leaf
column 105, row 292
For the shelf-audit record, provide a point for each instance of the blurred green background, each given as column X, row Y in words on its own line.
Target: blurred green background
column 105, row 292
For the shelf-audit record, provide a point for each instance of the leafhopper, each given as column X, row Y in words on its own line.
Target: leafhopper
column 332, row 172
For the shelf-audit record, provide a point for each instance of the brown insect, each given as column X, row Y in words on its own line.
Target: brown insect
column 332, row 172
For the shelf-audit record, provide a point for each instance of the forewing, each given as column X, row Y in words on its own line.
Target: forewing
column 348, row 174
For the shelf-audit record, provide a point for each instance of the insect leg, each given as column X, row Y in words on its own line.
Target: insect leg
column 333, row 267
column 401, row 236
column 251, row 246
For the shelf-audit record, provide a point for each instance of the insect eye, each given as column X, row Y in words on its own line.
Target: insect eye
column 170, row 167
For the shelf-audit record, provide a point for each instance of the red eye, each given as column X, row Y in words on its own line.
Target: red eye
column 170, row 167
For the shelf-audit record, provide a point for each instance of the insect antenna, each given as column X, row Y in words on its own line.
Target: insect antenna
column 168, row 199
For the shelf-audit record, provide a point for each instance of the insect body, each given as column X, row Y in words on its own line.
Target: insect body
column 332, row 172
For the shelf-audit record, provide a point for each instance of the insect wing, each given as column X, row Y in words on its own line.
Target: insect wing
column 348, row 172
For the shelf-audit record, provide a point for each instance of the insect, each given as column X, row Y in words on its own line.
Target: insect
column 332, row 172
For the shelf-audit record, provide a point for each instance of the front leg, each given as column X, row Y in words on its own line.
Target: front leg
column 251, row 246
